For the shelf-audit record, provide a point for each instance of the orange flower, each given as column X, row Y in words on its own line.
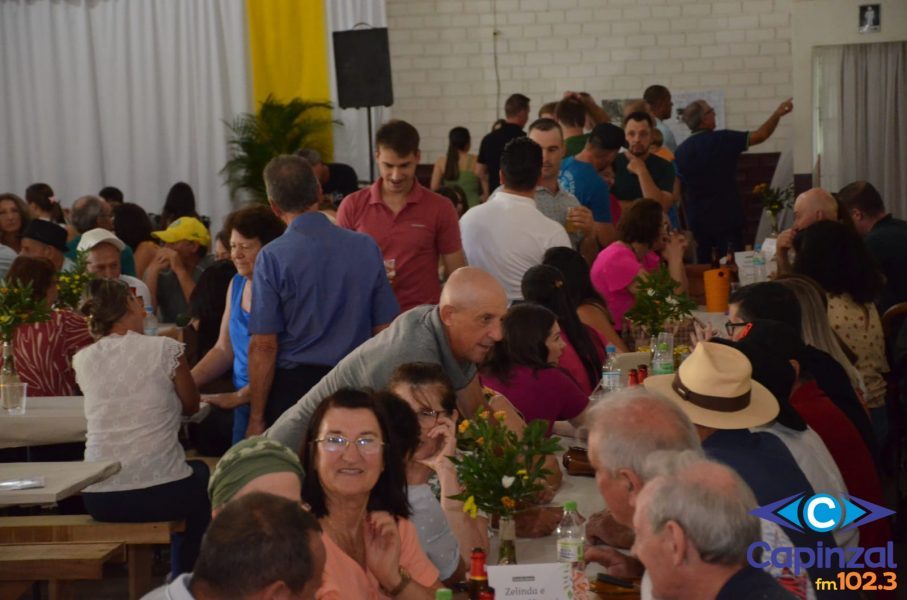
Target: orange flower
column 508, row 502
column 500, row 415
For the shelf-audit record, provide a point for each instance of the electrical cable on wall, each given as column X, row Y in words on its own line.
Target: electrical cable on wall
column 494, row 45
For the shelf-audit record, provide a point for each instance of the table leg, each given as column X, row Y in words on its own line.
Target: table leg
column 58, row 589
column 139, row 563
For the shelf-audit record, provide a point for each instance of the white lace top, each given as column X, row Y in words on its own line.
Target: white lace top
column 132, row 409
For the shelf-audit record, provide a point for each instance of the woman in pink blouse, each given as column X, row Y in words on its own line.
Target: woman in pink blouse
column 523, row 368
column 355, row 483
column 645, row 238
column 43, row 351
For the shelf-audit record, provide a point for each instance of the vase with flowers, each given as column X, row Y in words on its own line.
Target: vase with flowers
column 774, row 200
column 501, row 471
column 658, row 303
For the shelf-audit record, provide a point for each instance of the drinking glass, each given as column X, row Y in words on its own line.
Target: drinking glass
column 12, row 397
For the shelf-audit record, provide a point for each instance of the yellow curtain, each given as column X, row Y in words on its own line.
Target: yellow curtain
column 288, row 51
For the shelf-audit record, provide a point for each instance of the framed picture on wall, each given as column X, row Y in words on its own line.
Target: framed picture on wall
column 870, row 18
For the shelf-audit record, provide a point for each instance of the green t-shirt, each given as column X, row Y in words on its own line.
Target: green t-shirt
column 626, row 184
column 575, row 144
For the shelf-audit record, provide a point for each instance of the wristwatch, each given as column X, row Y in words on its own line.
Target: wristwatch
column 405, row 578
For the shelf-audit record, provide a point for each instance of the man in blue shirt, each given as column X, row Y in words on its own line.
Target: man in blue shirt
column 581, row 175
column 320, row 291
column 707, row 165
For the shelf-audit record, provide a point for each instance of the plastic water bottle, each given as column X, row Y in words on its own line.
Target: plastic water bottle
column 571, row 535
column 610, row 372
column 759, row 273
column 150, row 326
column 663, row 359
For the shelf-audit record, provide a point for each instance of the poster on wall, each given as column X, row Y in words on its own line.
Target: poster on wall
column 870, row 18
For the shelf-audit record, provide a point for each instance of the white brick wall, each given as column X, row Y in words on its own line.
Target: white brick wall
column 443, row 66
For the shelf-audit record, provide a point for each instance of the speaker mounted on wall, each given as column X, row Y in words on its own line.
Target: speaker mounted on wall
column 363, row 65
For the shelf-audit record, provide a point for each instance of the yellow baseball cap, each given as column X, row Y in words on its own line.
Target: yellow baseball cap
column 189, row 229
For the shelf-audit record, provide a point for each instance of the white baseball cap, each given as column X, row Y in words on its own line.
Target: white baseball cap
column 99, row 235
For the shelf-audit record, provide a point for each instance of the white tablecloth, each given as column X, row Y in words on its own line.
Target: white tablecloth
column 62, row 479
column 55, row 420
column 47, row 420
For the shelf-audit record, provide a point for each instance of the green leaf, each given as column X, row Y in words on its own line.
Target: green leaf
column 277, row 128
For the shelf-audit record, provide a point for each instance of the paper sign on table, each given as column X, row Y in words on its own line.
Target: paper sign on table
column 745, row 271
column 548, row 581
column 769, row 249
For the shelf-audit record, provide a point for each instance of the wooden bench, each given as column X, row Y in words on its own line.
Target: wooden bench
column 23, row 564
column 137, row 537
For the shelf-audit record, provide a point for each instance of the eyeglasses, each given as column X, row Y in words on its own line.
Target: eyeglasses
column 427, row 416
column 731, row 327
column 367, row 446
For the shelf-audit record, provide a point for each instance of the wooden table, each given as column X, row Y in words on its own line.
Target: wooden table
column 56, row 420
column 62, row 480
column 23, row 564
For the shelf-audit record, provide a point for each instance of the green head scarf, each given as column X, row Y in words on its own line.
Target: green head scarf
column 250, row 458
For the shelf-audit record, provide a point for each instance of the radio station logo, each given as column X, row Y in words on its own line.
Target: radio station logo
column 826, row 513
column 821, row 512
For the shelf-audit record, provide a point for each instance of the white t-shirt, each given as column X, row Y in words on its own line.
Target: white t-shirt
column 132, row 409
column 506, row 236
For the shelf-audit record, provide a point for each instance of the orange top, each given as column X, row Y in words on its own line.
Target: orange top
column 345, row 578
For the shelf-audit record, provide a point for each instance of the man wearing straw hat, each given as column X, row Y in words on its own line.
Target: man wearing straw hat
column 715, row 388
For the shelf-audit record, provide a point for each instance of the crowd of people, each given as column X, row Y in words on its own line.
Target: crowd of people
column 347, row 337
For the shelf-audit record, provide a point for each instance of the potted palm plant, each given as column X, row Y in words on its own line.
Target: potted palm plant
column 276, row 128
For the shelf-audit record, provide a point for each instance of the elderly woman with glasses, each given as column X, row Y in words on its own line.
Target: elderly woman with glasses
column 645, row 240
column 355, row 483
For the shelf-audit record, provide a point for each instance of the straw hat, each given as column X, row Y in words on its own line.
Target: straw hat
column 715, row 388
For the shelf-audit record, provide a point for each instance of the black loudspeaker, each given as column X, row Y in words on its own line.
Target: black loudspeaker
column 363, row 62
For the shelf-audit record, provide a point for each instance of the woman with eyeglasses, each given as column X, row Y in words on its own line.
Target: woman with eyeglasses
column 136, row 388
column 355, row 483
column 446, row 533
column 250, row 229
column 645, row 240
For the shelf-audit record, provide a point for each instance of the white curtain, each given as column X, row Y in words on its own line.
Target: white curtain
column 351, row 137
column 121, row 92
column 861, row 118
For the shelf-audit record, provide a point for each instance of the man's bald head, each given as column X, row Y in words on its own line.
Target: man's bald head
column 814, row 205
column 468, row 285
column 472, row 306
